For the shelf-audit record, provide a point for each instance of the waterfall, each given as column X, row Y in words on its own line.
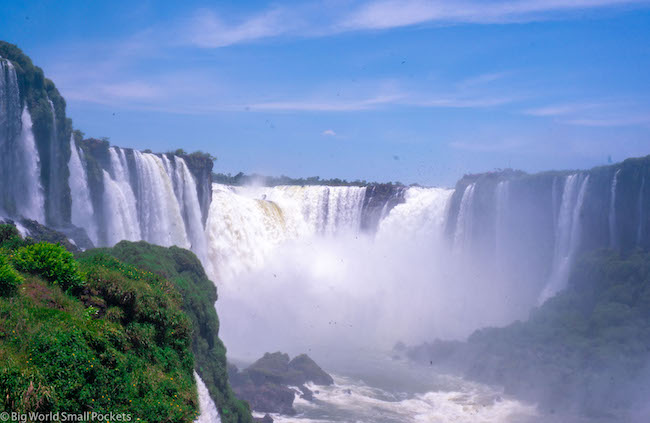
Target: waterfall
column 245, row 224
column 242, row 231
column 29, row 195
column 325, row 210
column 119, row 201
column 187, row 196
column 567, row 233
column 612, row 212
column 83, row 214
column 209, row 412
column 21, row 192
column 422, row 214
column 158, row 210
column 463, row 233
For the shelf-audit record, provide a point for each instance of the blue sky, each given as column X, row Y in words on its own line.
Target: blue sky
column 411, row 90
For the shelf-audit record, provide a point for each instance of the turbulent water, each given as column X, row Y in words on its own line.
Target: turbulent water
column 209, row 412
column 384, row 390
column 82, row 207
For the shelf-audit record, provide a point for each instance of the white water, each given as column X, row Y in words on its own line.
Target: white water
column 246, row 224
column 120, row 210
column 463, row 233
column 613, row 236
column 209, row 412
column 30, row 200
column 21, row 188
column 188, row 200
column 380, row 390
column 351, row 290
column 349, row 400
column 83, row 214
column 159, row 213
column 568, row 232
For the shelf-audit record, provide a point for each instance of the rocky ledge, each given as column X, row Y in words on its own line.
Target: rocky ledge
column 271, row 383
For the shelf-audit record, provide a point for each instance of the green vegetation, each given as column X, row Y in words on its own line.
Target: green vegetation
column 51, row 262
column 183, row 269
column 271, row 181
column 10, row 279
column 118, row 342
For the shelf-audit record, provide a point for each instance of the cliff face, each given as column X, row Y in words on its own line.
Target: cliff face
column 51, row 129
column 379, row 200
column 36, row 182
column 183, row 269
column 557, row 214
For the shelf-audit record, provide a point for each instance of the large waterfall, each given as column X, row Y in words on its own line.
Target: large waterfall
column 499, row 243
column 567, row 235
column 82, row 207
column 20, row 187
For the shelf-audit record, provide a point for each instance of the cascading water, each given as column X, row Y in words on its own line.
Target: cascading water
column 463, row 233
column 119, row 202
column 326, row 210
column 209, row 412
column 20, row 191
column 613, row 236
column 423, row 214
column 158, row 210
column 83, row 214
column 187, row 197
column 568, row 232
column 245, row 223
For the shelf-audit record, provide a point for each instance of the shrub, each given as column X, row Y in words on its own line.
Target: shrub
column 7, row 232
column 9, row 278
column 51, row 262
column 10, row 238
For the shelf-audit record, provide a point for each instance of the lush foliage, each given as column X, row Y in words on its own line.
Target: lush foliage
column 51, row 262
column 10, row 279
column 119, row 343
column 183, row 269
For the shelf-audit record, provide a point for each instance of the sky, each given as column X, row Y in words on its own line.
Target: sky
column 411, row 90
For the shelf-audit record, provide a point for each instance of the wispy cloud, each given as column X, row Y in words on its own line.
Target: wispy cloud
column 562, row 109
column 612, row 121
column 329, row 133
column 595, row 114
column 508, row 145
column 208, row 29
column 392, row 14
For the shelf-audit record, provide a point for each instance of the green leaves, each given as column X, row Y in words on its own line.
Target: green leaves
column 9, row 278
column 51, row 262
